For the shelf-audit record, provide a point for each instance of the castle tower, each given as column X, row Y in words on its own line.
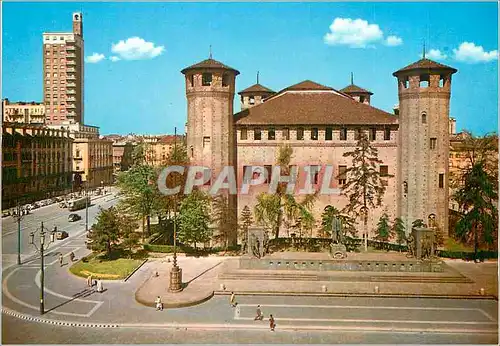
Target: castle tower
column 424, row 89
column 211, row 136
column 357, row 93
column 254, row 95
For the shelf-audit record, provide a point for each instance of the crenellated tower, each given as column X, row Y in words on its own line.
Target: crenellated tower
column 424, row 90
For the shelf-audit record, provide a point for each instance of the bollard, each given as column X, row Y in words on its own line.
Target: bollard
column 323, row 288
column 482, row 291
column 376, row 289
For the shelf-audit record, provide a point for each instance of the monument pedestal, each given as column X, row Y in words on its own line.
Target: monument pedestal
column 338, row 251
column 175, row 280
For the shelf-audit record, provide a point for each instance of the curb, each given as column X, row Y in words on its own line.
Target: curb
column 349, row 295
column 136, row 269
column 174, row 305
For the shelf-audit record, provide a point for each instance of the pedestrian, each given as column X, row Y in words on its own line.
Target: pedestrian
column 89, row 281
column 71, row 256
column 259, row 316
column 232, row 300
column 159, row 304
column 99, row 286
column 61, row 259
column 272, row 324
column 237, row 311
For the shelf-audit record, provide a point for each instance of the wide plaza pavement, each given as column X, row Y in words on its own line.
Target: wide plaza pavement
column 115, row 317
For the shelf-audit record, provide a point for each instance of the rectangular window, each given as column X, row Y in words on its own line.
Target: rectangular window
column 269, row 170
column 286, row 134
column 271, row 134
column 206, row 79
column 246, row 180
column 314, row 174
column 191, row 80
column 257, row 134
column 357, row 135
column 343, row 134
column 387, row 134
column 433, row 143
column 441, row 180
column 328, row 134
column 373, row 134
column 225, row 80
column 300, row 134
column 206, row 141
column 207, row 175
column 251, row 100
column 243, row 134
column 342, row 175
column 384, row 171
column 314, row 134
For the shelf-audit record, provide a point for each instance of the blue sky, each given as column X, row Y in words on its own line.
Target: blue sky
column 143, row 92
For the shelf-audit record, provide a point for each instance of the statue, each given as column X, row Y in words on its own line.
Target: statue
column 258, row 242
column 337, row 248
column 411, row 246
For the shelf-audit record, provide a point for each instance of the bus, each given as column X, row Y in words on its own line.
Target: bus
column 78, row 203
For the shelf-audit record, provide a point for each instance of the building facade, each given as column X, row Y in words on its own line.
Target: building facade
column 321, row 124
column 63, row 72
column 23, row 112
column 36, row 163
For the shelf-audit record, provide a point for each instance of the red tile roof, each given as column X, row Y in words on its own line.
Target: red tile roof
column 354, row 89
column 325, row 106
column 257, row 89
column 425, row 64
column 210, row 64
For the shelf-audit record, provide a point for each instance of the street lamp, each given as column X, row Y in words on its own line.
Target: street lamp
column 86, row 207
column 18, row 217
column 41, row 248
column 176, row 272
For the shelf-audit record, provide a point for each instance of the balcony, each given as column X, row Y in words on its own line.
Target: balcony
column 70, row 77
column 71, row 114
column 70, row 91
column 70, row 62
column 71, row 99
column 70, row 106
column 70, row 47
column 70, row 55
column 71, row 69
column 71, row 85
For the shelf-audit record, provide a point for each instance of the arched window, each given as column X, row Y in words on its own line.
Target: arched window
column 424, row 118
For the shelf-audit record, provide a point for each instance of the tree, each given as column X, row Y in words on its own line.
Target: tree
column 271, row 209
column 245, row 223
column 128, row 233
column 384, row 230
column 194, row 219
column 477, row 200
column 223, row 220
column 106, row 231
column 329, row 213
column 398, row 228
column 418, row 223
column 364, row 186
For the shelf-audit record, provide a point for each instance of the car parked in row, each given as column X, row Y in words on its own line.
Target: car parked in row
column 74, row 217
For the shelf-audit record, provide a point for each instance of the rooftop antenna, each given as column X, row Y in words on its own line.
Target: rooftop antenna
column 210, row 53
column 352, row 78
column 257, row 77
column 424, row 51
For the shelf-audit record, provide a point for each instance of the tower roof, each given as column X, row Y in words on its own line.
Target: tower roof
column 307, row 85
column 210, row 64
column 354, row 89
column 257, row 89
column 424, row 65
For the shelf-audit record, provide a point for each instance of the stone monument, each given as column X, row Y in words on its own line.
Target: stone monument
column 421, row 243
column 257, row 244
column 337, row 248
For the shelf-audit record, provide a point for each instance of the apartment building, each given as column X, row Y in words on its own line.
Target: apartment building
column 23, row 112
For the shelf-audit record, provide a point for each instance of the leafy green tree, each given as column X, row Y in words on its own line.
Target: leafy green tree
column 418, row 223
column 128, row 233
column 138, row 155
column 194, row 219
column 106, row 231
column 272, row 210
column 477, row 199
column 245, row 223
column 364, row 186
column 384, row 230
column 398, row 228
column 223, row 220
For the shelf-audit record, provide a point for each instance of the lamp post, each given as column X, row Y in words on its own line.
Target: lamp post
column 86, row 208
column 18, row 218
column 41, row 248
column 176, row 272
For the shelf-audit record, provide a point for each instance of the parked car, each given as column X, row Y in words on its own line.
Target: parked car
column 61, row 235
column 74, row 217
column 5, row 213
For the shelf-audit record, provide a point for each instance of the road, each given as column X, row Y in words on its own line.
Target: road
column 51, row 216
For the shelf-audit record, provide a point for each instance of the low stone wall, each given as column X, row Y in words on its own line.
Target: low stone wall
column 341, row 265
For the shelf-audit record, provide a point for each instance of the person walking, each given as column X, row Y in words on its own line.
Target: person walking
column 159, row 304
column 232, row 300
column 71, row 256
column 259, row 316
column 99, row 286
column 237, row 311
column 61, row 259
column 89, row 280
column 272, row 324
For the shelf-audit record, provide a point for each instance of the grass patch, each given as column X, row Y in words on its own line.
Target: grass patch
column 102, row 268
column 453, row 245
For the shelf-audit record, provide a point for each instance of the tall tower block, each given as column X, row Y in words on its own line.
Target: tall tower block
column 424, row 89
column 211, row 137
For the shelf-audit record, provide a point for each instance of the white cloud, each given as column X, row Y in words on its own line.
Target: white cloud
column 114, row 58
column 434, row 54
column 469, row 52
column 94, row 58
column 135, row 48
column 355, row 33
column 393, row 41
